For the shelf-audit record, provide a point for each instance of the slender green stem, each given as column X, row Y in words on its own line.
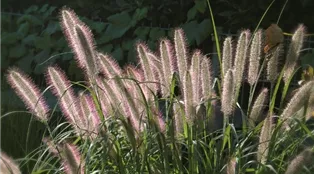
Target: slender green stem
column 281, row 11
column 216, row 36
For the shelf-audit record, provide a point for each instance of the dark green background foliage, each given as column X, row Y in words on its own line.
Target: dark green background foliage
column 31, row 36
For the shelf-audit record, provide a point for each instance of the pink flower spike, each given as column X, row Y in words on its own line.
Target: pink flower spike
column 28, row 92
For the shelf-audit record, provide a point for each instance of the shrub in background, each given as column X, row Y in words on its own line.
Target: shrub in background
column 131, row 119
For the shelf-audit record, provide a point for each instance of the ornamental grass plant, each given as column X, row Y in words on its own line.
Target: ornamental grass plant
column 169, row 113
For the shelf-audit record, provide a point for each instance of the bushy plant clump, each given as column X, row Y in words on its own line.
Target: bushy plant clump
column 169, row 114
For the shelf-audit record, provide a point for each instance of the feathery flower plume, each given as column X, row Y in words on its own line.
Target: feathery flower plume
column 255, row 56
column 108, row 66
column 157, row 116
column 178, row 113
column 240, row 59
column 109, row 99
column 156, row 66
column 143, row 52
column 195, row 71
column 70, row 156
column 72, row 162
column 188, row 97
column 134, row 72
column 130, row 109
column 68, row 20
column 168, row 63
column 181, row 52
column 7, row 165
column 304, row 158
column 227, row 97
column 259, row 105
column 231, row 166
column 265, row 136
column 297, row 102
column 293, row 52
column 84, row 48
column 80, row 39
column 227, row 59
column 89, row 111
column 61, row 87
column 138, row 75
column 28, row 92
column 272, row 64
column 206, row 78
column 310, row 109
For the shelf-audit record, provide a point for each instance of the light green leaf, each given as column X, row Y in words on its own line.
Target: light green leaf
column 192, row 13
column 29, row 40
column 25, row 63
column 117, row 53
column 156, row 33
column 141, row 32
column 308, row 59
column 200, row 5
column 115, row 31
column 42, row 56
column 17, row 51
column 139, row 14
column 103, row 39
column 24, row 29
column 204, row 30
column 31, row 19
column 10, row 38
column 189, row 29
column 60, row 44
column 128, row 45
column 52, row 27
column 49, row 12
column 31, row 9
column 43, row 8
column 43, row 42
column 4, row 62
column 106, row 48
column 121, row 19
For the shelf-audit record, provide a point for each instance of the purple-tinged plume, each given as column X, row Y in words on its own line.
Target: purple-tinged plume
column 264, row 140
column 179, row 118
column 28, row 92
column 195, row 70
column 89, row 112
column 255, row 56
column 297, row 102
column 81, row 41
column 70, row 156
column 72, row 162
column 259, row 105
column 272, row 64
column 240, row 59
column 156, row 66
column 227, row 98
column 227, row 58
column 188, row 98
column 206, row 78
column 169, row 64
column 108, row 66
column 305, row 158
column 8, row 165
column 294, row 52
column 143, row 54
column 181, row 52
column 68, row 101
